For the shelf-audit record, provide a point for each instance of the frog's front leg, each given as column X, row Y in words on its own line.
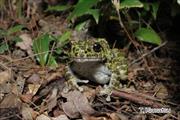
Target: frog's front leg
column 114, row 83
column 73, row 80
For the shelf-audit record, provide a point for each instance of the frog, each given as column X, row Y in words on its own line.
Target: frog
column 94, row 60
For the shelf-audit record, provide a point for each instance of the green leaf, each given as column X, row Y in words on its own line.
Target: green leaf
column 148, row 35
column 3, row 33
column 3, row 47
column 41, row 48
column 95, row 14
column 130, row 4
column 16, row 39
column 155, row 7
column 62, row 40
column 14, row 29
column 58, row 8
column 82, row 25
column 52, row 62
column 146, row 6
column 64, row 37
column 82, row 7
column 59, row 50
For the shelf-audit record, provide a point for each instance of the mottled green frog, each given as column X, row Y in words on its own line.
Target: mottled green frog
column 93, row 60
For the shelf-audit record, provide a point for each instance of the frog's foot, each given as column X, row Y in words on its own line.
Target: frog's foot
column 114, row 83
column 79, row 81
column 73, row 83
column 82, row 81
column 107, row 90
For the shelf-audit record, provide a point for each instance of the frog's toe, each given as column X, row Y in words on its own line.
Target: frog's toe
column 124, row 77
column 80, row 89
column 82, row 81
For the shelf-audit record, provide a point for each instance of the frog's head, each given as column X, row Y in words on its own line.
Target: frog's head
column 89, row 50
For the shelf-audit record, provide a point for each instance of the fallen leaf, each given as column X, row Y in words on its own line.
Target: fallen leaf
column 5, row 86
column 61, row 117
column 94, row 118
column 90, row 93
column 52, row 101
column 26, row 43
column 27, row 98
column 4, row 89
column 70, row 109
column 17, row 54
column 27, row 112
column 5, row 76
column 34, row 79
column 10, row 101
column 76, row 101
column 57, row 111
column 33, row 88
column 162, row 91
column 9, row 113
column 119, row 116
column 18, row 86
column 43, row 117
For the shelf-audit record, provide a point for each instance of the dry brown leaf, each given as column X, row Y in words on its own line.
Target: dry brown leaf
column 26, row 43
column 27, row 98
column 27, row 112
column 34, row 79
column 70, row 109
column 118, row 116
column 55, row 74
column 90, row 93
column 94, row 118
column 82, row 104
column 18, row 86
column 5, row 76
column 4, row 89
column 78, row 102
column 162, row 91
column 33, row 88
column 10, row 101
column 61, row 117
column 5, row 86
column 9, row 113
column 57, row 111
column 52, row 101
column 17, row 54
column 43, row 117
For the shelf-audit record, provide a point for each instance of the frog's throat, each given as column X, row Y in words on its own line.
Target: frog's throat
column 87, row 59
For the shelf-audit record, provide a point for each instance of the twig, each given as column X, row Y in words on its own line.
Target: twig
column 137, row 98
column 148, row 53
column 116, row 4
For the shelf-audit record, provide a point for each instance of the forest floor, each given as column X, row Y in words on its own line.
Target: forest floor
column 30, row 91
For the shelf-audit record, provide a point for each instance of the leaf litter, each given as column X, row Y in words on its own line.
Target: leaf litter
column 28, row 91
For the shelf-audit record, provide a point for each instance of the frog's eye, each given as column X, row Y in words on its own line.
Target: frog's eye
column 97, row 47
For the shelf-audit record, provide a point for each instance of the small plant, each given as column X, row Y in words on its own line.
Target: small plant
column 8, row 37
column 83, row 7
column 143, row 31
column 41, row 48
column 44, row 50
